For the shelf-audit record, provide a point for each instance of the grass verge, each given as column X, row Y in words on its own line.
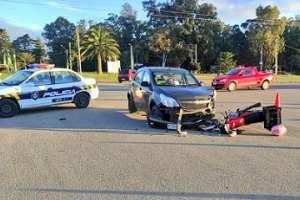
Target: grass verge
column 206, row 78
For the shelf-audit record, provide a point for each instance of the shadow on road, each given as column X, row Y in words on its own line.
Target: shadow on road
column 162, row 194
column 68, row 118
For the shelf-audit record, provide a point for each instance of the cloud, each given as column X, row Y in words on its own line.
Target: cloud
column 63, row 6
column 15, row 31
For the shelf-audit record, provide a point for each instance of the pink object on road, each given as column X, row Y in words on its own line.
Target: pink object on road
column 279, row 130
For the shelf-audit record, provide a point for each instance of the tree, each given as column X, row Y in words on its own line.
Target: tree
column 265, row 34
column 291, row 55
column 58, row 34
column 98, row 42
column 161, row 44
column 5, row 49
column 23, row 44
column 25, row 59
column 39, row 51
column 128, row 30
column 226, row 61
column 183, row 19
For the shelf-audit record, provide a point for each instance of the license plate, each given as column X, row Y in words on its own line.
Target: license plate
column 172, row 126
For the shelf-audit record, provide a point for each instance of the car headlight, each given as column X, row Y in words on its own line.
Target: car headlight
column 223, row 80
column 168, row 101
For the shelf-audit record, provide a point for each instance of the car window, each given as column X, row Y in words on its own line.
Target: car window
column 247, row 72
column 233, row 71
column 138, row 78
column 146, row 77
column 40, row 79
column 61, row 77
column 17, row 78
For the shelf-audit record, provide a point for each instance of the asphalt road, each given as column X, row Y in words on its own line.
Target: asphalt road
column 105, row 153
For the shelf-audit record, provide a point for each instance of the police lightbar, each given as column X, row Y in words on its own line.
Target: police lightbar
column 40, row 66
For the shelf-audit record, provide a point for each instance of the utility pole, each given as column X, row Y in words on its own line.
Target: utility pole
column 276, row 58
column 261, row 58
column 196, row 53
column 70, row 56
column 131, row 57
column 15, row 62
column 67, row 56
column 67, row 59
column 78, row 49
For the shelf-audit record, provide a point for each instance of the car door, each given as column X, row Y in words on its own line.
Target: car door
column 66, row 84
column 136, row 89
column 246, row 78
column 34, row 90
column 146, row 89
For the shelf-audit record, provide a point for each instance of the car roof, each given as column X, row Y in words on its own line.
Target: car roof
column 162, row 69
column 50, row 69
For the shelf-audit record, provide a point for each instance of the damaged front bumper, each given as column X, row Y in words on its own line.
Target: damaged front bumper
column 182, row 116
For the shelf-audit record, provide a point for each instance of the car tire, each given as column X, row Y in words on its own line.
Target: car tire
column 131, row 105
column 8, row 108
column 231, row 86
column 120, row 81
column 265, row 85
column 82, row 100
column 151, row 123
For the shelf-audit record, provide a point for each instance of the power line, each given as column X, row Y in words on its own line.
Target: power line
column 179, row 12
column 181, row 17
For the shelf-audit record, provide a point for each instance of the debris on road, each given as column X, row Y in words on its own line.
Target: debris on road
column 269, row 115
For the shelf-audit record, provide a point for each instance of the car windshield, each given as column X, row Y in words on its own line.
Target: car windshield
column 233, row 71
column 174, row 79
column 17, row 78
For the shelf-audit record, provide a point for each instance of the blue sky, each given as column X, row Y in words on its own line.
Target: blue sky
column 22, row 16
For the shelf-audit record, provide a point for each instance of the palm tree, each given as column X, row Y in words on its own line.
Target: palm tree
column 98, row 42
column 25, row 59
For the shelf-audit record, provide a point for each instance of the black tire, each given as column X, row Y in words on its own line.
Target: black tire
column 120, row 81
column 8, row 108
column 231, row 86
column 131, row 105
column 265, row 85
column 151, row 123
column 82, row 100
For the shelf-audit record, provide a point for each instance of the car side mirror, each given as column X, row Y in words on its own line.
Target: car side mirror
column 145, row 84
column 240, row 74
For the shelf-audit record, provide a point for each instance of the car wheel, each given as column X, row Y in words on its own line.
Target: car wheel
column 131, row 105
column 265, row 85
column 154, row 110
column 232, row 86
column 82, row 100
column 8, row 108
column 120, row 81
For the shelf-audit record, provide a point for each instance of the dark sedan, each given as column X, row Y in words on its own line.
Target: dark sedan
column 166, row 93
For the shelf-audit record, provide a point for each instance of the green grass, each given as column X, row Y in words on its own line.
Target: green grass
column 287, row 78
column 105, row 77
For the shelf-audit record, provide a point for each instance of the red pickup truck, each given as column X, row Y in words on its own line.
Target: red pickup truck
column 243, row 77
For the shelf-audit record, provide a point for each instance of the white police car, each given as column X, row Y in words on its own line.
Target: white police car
column 36, row 87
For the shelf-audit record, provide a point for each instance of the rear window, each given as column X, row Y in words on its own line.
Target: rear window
column 61, row 77
column 124, row 71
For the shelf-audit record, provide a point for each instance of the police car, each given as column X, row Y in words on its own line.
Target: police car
column 40, row 86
